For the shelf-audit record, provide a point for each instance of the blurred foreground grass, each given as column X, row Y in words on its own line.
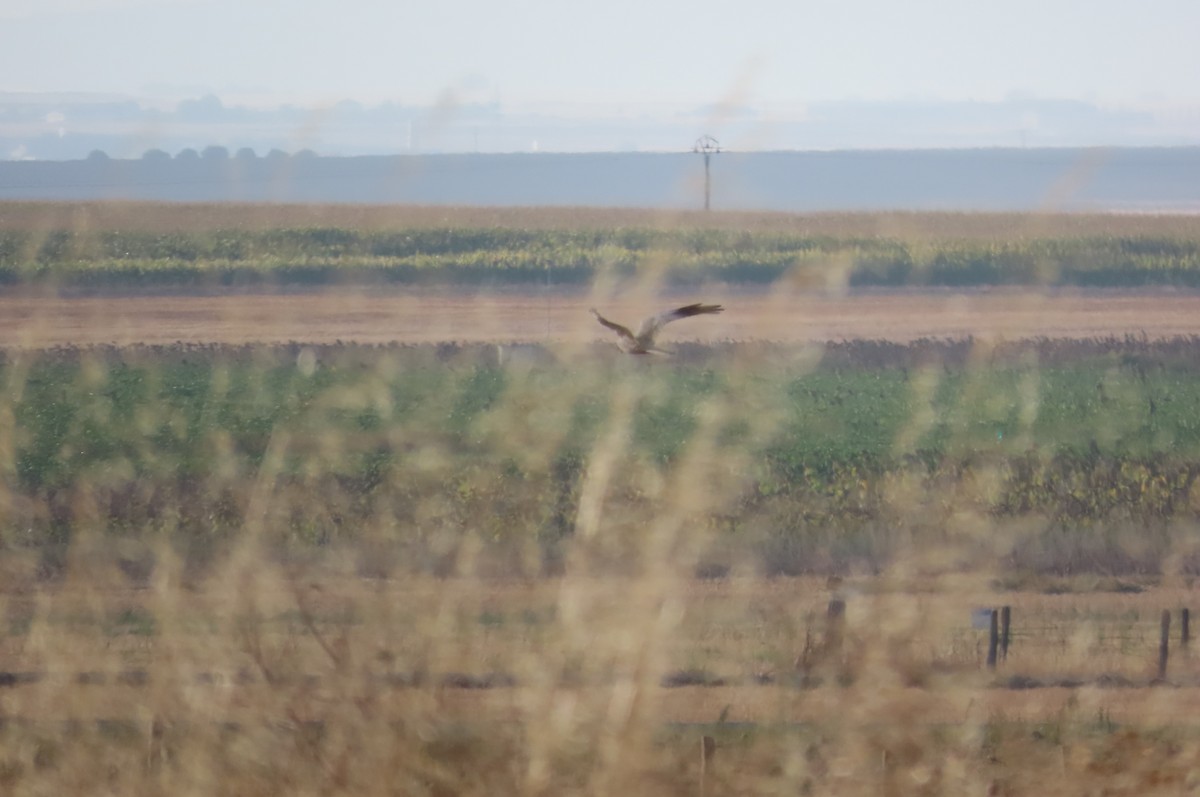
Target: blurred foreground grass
column 274, row 678
column 474, row 570
column 453, row 570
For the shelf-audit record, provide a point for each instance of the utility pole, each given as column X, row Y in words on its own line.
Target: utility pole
column 708, row 146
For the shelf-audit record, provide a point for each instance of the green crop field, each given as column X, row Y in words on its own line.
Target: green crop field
column 821, row 459
column 94, row 246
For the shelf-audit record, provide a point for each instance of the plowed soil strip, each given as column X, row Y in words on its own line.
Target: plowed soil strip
column 424, row 317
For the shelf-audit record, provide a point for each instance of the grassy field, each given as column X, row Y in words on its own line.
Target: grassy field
column 101, row 246
column 452, row 569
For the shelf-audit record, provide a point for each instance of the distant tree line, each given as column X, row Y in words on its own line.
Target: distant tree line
column 212, row 152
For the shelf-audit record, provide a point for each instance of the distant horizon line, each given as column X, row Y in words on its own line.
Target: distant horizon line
column 231, row 154
column 53, row 127
column 235, row 99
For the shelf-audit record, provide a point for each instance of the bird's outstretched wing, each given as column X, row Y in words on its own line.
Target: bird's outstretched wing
column 654, row 323
column 615, row 327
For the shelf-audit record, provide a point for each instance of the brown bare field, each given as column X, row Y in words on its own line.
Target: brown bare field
column 486, row 648
column 271, row 680
column 395, row 316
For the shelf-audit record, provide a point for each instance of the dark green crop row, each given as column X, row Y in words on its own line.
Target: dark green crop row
column 507, row 255
column 425, row 448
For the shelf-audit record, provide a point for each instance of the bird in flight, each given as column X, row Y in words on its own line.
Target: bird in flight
column 643, row 341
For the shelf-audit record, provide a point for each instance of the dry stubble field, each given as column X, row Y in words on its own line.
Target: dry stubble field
column 427, row 316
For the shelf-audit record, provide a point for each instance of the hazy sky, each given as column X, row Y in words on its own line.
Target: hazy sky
column 620, row 51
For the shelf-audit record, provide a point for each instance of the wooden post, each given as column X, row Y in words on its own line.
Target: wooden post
column 993, row 640
column 1005, row 627
column 1164, row 645
column 708, row 746
column 1185, row 627
column 834, row 618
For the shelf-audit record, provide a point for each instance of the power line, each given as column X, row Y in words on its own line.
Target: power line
column 708, row 146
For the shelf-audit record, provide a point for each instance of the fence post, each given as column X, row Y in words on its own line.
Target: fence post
column 708, row 746
column 993, row 640
column 1005, row 625
column 1185, row 628
column 1164, row 645
column 834, row 618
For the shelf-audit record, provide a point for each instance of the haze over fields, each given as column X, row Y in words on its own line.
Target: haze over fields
column 1013, row 106
column 1127, row 180
column 366, row 77
column 67, row 126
